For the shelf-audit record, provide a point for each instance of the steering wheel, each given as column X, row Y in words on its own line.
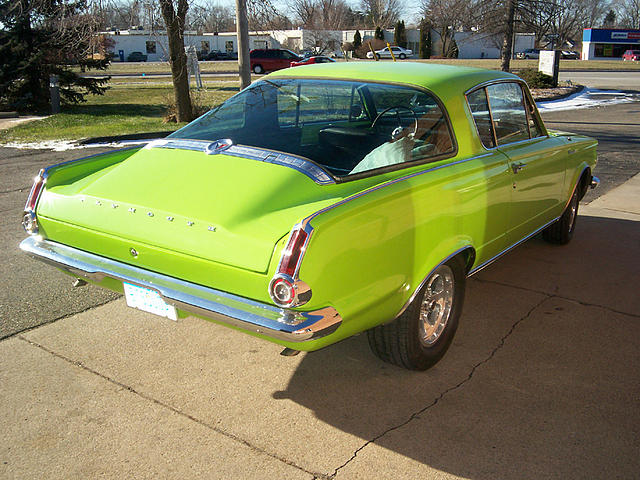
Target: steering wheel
column 395, row 135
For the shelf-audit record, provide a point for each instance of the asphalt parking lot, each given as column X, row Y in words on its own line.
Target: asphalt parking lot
column 542, row 380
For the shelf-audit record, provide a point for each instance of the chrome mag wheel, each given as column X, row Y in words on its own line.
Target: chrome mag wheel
column 435, row 308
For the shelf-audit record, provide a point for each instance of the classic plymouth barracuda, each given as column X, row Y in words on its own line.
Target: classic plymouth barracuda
column 320, row 202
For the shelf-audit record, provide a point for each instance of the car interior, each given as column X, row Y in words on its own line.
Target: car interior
column 345, row 127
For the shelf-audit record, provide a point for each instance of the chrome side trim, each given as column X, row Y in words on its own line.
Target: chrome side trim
column 250, row 315
column 88, row 157
column 508, row 249
column 300, row 164
column 308, row 219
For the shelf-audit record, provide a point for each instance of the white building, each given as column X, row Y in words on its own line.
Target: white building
column 155, row 44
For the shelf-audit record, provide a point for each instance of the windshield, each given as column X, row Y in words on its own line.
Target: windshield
column 345, row 127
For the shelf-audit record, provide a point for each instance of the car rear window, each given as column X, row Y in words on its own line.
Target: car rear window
column 346, row 127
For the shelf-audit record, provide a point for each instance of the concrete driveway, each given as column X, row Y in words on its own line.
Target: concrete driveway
column 542, row 381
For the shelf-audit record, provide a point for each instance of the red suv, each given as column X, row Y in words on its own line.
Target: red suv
column 632, row 55
column 271, row 59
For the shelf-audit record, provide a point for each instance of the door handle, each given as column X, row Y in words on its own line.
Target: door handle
column 516, row 167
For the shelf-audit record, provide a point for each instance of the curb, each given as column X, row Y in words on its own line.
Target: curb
column 548, row 98
column 117, row 138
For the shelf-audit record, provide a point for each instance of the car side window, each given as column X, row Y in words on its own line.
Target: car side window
column 507, row 109
column 482, row 118
column 535, row 127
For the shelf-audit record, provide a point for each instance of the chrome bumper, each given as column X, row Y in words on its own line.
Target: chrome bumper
column 268, row 320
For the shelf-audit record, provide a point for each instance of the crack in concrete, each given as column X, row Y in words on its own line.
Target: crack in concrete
column 417, row 414
column 175, row 410
column 53, row 320
column 22, row 189
column 568, row 299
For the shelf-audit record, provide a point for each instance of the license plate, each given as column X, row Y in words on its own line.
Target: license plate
column 148, row 300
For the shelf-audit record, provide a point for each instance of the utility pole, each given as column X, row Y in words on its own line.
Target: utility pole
column 242, row 30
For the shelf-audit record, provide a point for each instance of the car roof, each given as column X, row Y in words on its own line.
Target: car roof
column 435, row 77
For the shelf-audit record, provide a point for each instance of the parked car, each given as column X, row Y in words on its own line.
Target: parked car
column 220, row 55
column 569, row 55
column 321, row 201
column 398, row 52
column 631, row 55
column 268, row 60
column 310, row 60
column 528, row 53
column 136, row 57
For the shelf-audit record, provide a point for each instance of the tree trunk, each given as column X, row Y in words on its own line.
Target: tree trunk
column 507, row 44
column 242, row 31
column 174, row 21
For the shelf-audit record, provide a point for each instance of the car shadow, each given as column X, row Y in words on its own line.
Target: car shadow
column 541, row 381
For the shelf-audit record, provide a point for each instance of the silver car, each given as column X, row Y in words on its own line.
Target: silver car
column 398, row 52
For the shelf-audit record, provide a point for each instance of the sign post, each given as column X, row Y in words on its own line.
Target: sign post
column 54, row 91
column 549, row 63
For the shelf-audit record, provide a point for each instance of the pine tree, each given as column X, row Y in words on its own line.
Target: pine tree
column 40, row 38
column 400, row 34
column 425, row 39
column 357, row 40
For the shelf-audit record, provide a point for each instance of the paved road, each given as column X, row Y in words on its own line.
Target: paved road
column 32, row 293
column 29, row 294
column 629, row 80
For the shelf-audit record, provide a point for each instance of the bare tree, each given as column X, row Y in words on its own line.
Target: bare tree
column 211, row 17
column 381, row 13
column 629, row 13
column 320, row 14
column 446, row 17
column 174, row 15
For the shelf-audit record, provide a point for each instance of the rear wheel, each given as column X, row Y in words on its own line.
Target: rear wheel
column 402, row 56
column 258, row 69
column 561, row 231
column 421, row 335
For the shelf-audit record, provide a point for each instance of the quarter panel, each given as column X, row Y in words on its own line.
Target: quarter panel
column 368, row 256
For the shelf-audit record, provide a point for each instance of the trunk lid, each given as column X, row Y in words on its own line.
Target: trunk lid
column 223, row 208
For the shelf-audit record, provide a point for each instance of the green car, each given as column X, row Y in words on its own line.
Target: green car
column 321, row 202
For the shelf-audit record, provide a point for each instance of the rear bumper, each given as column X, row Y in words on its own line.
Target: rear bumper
column 264, row 319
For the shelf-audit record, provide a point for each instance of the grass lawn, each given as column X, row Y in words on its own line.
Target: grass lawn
column 163, row 67
column 124, row 109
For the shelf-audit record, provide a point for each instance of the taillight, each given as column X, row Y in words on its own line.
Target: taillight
column 285, row 288
column 29, row 219
column 293, row 252
column 34, row 194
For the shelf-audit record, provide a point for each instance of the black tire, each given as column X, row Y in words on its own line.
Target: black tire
column 402, row 56
column 561, row 231
column 411, row 341
column 258, row 69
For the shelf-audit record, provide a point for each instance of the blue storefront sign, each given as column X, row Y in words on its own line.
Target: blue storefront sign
column 604, row 35
column 605, row 43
